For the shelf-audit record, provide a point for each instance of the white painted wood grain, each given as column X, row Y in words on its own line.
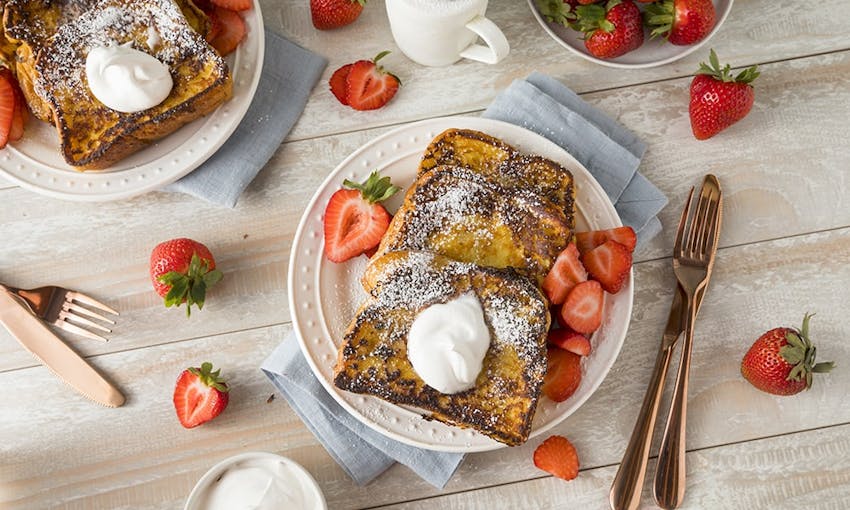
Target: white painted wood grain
column 58, row 447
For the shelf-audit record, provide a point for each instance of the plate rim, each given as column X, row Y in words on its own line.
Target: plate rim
column 255, row 23
column 442, row 123
column 646, row 65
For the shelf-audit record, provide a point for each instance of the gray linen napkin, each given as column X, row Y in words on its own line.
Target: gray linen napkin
column 362, row 452
column 289, row 74
column 610, row 152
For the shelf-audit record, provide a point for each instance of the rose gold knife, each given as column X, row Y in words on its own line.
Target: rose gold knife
column 33, row 334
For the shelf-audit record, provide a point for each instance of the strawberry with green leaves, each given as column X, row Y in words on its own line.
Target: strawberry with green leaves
column 611, row 30
column 557, row 11
column 200, row 395
column 718, row 99
column 681, row 22
column 181, row 271
column 782, row 361
column 365, row 84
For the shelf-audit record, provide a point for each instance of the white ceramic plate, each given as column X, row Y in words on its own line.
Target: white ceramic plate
column 35, row 163
column 652, row 53
column 323, row 296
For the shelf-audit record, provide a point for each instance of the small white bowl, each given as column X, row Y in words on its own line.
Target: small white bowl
column 196, row 497
column 653, row 52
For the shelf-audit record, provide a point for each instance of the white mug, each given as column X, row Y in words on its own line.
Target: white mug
column 441, row 32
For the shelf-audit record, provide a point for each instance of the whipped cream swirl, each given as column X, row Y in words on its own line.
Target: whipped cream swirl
column 261, row 484
column 125, row 79
column 447, row 343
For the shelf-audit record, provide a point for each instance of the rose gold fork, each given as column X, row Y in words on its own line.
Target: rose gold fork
column 59, row 306
column 693, row 261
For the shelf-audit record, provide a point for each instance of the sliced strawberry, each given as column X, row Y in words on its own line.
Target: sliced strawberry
column 7, row 106
column 232, row 31
column 566, row 272
column 215, row 25
column 570, row 340
column 199, row 395
column 609, row 264
column 371, row 251
column 339, row 83
column 558, row 456
column 354, row 221
column 369, row 85
column 563, row 374
column 582, row 311
column 233, row 5
column 21, row 113
column 587, row 241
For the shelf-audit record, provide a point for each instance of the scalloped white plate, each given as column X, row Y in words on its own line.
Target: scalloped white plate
column 323, row 296
column 35, row 163
column 652, row 53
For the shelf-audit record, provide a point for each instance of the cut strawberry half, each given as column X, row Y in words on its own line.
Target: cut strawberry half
column 563, row 374
column 569, row 340
column 566, row 273
column 582, row 311
column 609, row 264
column 234, row 5
column 558, row 456
column 339, row 83
column 369, row 85
column 587, row 241
column 199, row 395
column 354, row 219
column 232, row 31
column 7, row 106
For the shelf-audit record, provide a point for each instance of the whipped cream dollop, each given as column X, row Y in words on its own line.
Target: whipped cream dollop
column 126, row 79
column 447, row 343
column 261, row 484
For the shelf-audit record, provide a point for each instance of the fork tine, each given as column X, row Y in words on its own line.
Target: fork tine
column 64, row 315
column 67, row 326
column 697, row 237
column 79, row 310
column 680, row 231
column 86, row 300
column 713, row 226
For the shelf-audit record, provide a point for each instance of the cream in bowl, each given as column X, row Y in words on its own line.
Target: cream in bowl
column 258, row 481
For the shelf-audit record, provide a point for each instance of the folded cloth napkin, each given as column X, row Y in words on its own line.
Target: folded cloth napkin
column 362, row 452
column 289, row 74
column 610, row 152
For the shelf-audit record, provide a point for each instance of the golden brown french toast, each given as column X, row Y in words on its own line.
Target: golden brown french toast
column 54, row 38
column 466, row 215
column 373, row 356
column 511, row 168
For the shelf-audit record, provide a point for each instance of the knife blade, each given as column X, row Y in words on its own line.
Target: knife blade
column 55, row 354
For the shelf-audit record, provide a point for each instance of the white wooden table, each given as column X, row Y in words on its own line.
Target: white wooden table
column 785, row 250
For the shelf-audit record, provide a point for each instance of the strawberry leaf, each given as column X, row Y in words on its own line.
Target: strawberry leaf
column 375, row 189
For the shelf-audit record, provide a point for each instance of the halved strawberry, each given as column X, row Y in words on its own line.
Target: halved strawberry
column 199, row 395
column 587, row 241
column 232, row 31
column 233, row 5
column 215, row 25
column 582, row 311
column 569, row 340
column 563, row 374
column 339, row 83
column 558, row 456
column 21, row 113
column 369, row 85
column 7, row 106
column 566, row 272
column 354, row 221
column 371, row 251
column 609, row 264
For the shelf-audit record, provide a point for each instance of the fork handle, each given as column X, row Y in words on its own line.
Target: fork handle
column 669, row 484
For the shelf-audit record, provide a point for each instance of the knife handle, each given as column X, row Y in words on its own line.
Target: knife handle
column 48, row 348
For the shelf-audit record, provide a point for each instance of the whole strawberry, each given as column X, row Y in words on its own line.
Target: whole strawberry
column 199, row 395
column 181, row 272
column 329, row 14
column 717, row 99
column 681, row 22
column 782, row 361
column 612, row 30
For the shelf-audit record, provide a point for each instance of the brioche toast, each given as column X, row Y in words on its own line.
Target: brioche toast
column 467, row 216
column 54, row 38
column 373, row 356
column 485, row 154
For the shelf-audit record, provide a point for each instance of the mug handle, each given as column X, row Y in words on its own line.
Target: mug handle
column 497, row 45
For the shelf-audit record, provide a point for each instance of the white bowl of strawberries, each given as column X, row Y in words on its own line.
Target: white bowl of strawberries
column 631, row 34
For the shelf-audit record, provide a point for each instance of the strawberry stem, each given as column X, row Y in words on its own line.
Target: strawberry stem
column 556, row 11
column 375, row 189
column 724, row 74
column 800, row 353
column 192, row 286
column 209, row 378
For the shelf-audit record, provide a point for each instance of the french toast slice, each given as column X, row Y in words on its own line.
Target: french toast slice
column 511, row 168
column 54, row 38
column 467, row 216
column 373, row 356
